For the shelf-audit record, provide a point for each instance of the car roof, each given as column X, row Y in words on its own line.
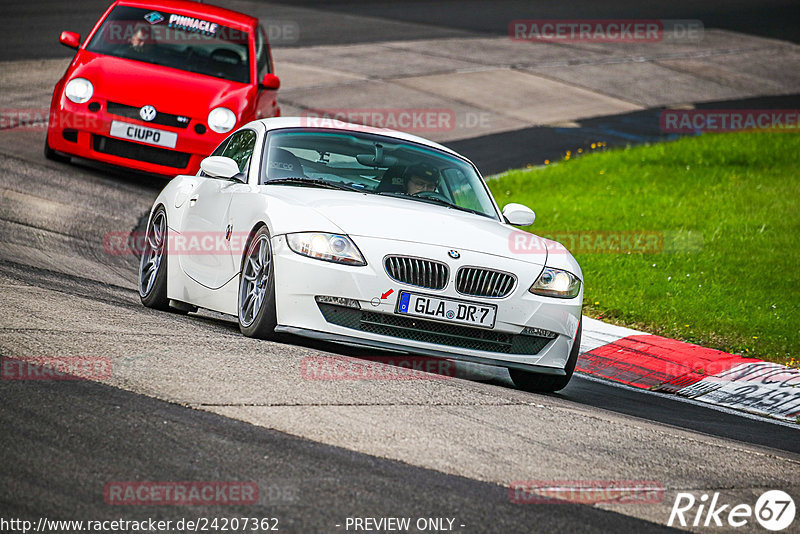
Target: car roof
column 220, row 15
column 331, row 124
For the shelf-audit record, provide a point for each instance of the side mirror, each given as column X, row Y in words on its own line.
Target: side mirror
column 221, row 167
column 70, row 39
column 271, row 82
column 519, row 215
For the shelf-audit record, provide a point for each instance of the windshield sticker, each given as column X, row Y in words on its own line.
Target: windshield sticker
column 154, row 17
column 192, row 25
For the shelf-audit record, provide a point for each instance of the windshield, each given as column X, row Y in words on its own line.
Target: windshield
column 176, row 41
column 369, row 163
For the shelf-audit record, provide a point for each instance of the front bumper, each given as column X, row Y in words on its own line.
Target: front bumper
column 300, row 279
column 75, row 130
column 425, row 351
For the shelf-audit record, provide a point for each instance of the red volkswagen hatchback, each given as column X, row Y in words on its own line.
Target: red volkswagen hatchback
column 156, row 86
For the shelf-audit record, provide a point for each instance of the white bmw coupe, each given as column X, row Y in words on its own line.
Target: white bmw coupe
column 367, row 237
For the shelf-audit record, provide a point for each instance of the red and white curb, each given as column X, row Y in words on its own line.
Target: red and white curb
column 661, row 364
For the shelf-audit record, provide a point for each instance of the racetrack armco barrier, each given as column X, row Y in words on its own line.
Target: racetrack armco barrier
column 605, row 30
column 606, row 242
column 586, row 491
column 55, row 368
column 376, row 368
column 181, row 493
column 729, row 120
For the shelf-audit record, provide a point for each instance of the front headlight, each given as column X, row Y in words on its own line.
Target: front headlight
column 556, row 283
column 221, row 120
column 79, row 90
column 328, row 247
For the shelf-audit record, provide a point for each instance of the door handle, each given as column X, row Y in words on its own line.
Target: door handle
column 193, row 201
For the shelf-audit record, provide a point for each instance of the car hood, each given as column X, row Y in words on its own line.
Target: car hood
column 400, row 219
column 169, row 90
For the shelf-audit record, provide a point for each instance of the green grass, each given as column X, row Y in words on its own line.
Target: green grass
column 728, row 206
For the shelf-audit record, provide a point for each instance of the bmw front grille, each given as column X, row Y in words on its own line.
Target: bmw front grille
column 417, row 271
column 481, row 282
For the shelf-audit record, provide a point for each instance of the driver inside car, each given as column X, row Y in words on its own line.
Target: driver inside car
column 140, row 42
column 421, row 178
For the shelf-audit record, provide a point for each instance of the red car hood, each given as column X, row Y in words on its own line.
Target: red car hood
column 174, row 91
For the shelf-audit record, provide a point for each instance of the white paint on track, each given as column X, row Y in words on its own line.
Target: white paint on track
column 760, row 387
column 695, row 402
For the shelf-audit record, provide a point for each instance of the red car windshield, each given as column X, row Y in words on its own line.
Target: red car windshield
column 173, row 40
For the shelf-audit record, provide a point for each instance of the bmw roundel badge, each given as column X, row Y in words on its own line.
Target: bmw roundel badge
column 454, row 254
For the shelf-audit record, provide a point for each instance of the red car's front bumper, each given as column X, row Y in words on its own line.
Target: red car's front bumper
column 76, row 130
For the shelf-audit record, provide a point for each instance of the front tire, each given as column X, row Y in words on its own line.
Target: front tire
column 51, row 154
column 257, row 314
column 540, row 383
column 153, row 264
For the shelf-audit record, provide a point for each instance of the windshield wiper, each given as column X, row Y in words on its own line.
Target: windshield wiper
column 299, row 180
column 434, row 200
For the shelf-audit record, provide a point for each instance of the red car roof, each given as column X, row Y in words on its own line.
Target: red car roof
column 186, row 7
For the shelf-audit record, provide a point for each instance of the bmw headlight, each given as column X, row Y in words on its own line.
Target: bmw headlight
column 221, row 120
column 556, row 283
column 79, row 90
column 328, row 247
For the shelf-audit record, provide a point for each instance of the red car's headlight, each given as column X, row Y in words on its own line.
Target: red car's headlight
column 221, row 120
column 79, row 90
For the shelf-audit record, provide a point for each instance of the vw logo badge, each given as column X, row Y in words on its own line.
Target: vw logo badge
column 147, row 113
column 454, row 254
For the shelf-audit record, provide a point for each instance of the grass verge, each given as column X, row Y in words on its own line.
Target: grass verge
column 718, row 263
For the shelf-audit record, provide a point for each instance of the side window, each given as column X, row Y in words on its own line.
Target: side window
column 240, row 148
column 220, row 149
column 262, row 54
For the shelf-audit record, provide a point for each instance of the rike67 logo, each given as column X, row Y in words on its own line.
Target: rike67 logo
column 774, row 510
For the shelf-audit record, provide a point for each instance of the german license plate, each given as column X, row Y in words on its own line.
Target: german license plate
column 143, row 134
column 448, row 310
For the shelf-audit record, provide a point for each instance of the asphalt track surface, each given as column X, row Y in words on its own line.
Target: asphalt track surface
column 35, row 26
column 768, row 18
column 63, row 441
column 307, row 486
column 531, row 146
